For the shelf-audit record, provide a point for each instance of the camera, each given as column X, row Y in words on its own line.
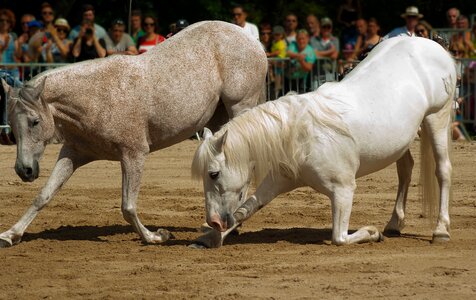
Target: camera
column 89, row 31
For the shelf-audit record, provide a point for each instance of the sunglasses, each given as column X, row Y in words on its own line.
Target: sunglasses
column 326, row 26
column 47, row 13
column 149, row 24
column 61, row 30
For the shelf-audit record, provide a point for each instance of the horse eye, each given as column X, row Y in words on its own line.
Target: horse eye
column 214, row 175
column 35, row 122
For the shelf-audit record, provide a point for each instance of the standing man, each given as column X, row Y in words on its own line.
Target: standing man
column 411, row 16
column 452, row 17
column 88, row 17
column 136, row 25
column 239, row 18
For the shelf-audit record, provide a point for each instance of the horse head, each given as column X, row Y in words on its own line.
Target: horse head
column 225, row 184
column 32, row 123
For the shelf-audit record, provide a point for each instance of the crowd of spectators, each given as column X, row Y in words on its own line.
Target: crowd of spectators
column 52, row 39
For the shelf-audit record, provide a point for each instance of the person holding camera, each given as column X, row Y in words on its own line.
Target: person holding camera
column 57, row 46
column 87, row 45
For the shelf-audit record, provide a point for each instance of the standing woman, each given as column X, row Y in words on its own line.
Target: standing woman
column 151, row 38
column 87, row 45
column 9, row 48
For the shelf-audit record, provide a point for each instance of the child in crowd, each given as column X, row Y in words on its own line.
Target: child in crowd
column 278, row 50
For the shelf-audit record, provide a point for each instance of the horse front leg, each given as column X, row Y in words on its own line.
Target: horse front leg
column 132, row 168
column 68, row 161
column 269, row 189
column 404, row 170
column 341, row 202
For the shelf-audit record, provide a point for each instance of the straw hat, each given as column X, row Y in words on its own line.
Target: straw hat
column 60, row 22
column 412, row 11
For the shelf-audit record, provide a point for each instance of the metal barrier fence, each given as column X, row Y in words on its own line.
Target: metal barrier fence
column 284, row 76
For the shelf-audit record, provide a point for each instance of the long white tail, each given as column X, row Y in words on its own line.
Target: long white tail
column 429, row 192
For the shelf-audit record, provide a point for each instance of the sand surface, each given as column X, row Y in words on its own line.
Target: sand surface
column 79, row 247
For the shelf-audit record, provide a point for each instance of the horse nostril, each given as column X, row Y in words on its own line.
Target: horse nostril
column 216, row 225
column 29, row 171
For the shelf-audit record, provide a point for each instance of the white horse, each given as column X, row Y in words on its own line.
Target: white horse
column 123, row 107
column 328, row 138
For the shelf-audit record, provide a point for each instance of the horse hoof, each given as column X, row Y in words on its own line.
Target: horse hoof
column 5, row 243
column 392, row 233
column 164, row 234
column 198, row 245
column 440, row 238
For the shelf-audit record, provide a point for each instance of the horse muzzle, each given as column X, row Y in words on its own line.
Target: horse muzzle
column 27, row 173
column 221, row 223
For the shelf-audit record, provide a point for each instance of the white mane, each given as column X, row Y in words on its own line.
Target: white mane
column 267, row 134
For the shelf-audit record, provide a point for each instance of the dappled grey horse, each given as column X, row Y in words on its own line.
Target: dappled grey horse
column 123, row 107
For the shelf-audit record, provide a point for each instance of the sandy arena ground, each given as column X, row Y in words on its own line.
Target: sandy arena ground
column 80, row 247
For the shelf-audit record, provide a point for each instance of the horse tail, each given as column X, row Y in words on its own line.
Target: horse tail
column 429, row 186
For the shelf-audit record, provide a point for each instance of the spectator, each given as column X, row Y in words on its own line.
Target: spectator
column 47, row 14
column 265, row 33
column 136, row 26
column 151, row 37
column 177, row 27
column 347, row 63
column 302, row 60
column 24, row 36
column 87, row 45
column 119, row 42
column 239, row 18
column 35, row 43
column 88, row 17
column 290, row 27
column 473, row 30
column 9, row 48
column 423, row 29
column 180, row 25
column 458, row 50
column 348, row 13
column 371, row 39
column 362, row 31
column 58, row 46
column 411, row 16
column 278, row 46
column 452, row 15
column 465, row 35
column 313, row 26
column 327, row 45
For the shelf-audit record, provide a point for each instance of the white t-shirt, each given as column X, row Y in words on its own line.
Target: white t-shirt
column 251, row 30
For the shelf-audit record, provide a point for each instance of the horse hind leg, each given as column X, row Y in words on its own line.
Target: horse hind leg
column 436, row 130
column 404, row 170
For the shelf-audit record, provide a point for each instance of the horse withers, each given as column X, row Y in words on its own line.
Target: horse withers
column 328, row 138
column 123, row 107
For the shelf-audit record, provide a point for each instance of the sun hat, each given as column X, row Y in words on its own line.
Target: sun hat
column 62, row 23
column 278, row 30
column 35, row 23
column 326, row 21
column 412, row 11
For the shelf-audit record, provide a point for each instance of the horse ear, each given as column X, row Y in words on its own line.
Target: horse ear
column 40, row 87
column 207, row 133
column 220, row 142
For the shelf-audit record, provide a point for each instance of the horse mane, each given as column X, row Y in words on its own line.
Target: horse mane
column 271, row 136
